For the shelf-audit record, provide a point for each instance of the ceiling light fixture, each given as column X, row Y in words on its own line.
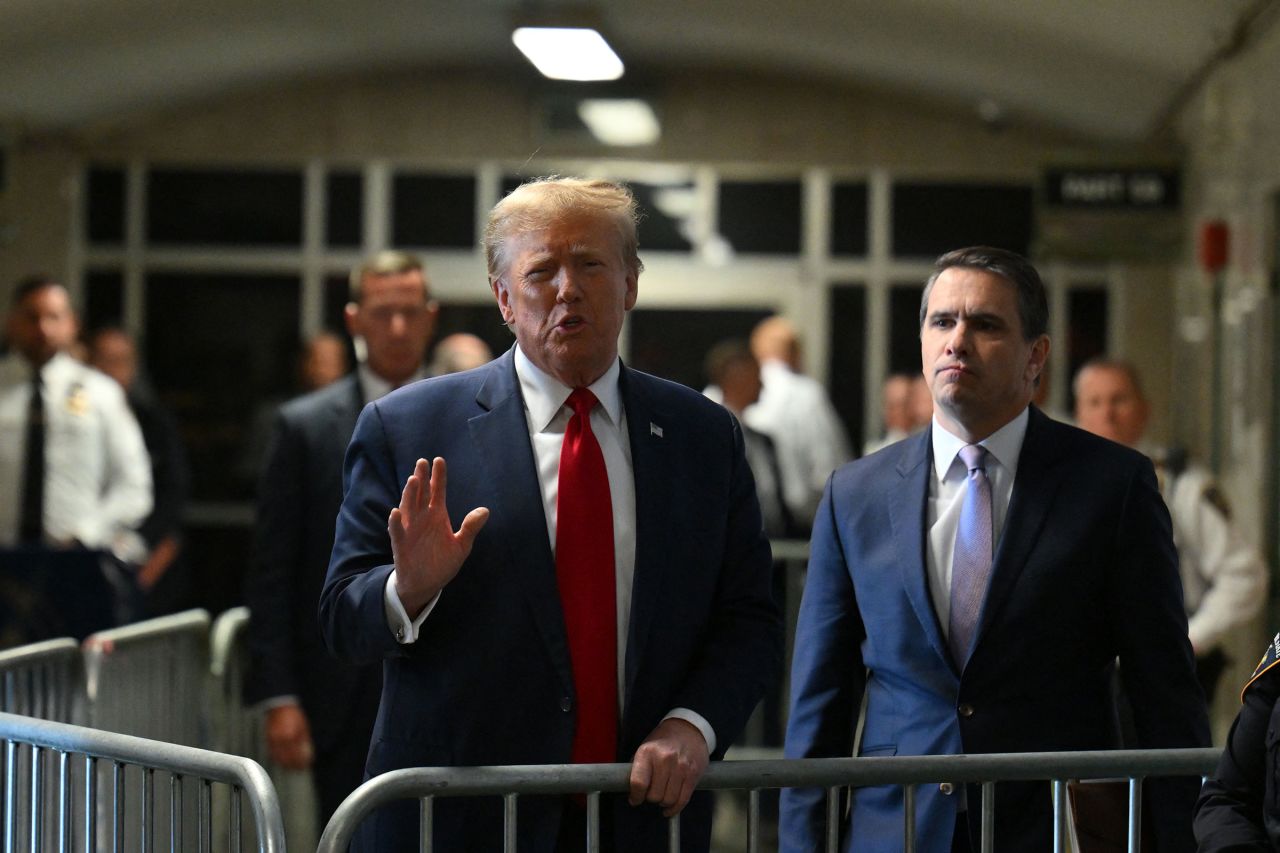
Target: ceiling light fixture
column 623, row 122
column 568, row 53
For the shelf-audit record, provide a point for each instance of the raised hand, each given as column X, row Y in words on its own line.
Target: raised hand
column 427, row 551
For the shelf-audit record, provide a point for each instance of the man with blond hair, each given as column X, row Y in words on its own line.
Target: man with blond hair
column 594, row 586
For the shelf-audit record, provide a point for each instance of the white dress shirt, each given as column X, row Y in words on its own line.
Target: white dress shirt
column 946, row 496
column 810, row 441
column 547, row 416
column 97, row 472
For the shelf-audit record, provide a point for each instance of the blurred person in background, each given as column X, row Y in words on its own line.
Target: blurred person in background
column 75, row 479
column 1224, row 579
column 162, row 578
column 319, row 711
column 899, row 409
column 458, row 352
column 795, row 411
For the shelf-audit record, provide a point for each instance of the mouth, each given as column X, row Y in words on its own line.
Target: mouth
column 570, row 324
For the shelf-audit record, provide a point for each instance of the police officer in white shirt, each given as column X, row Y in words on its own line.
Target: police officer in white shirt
column 1224, row 580
column 91, row 486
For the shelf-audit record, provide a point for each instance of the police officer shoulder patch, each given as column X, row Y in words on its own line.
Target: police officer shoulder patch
column 1269, row 661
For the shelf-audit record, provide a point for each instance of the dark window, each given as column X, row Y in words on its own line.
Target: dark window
column 103, row 299
column 224, row 208
column 481, row 320
column 1087, row 331
column 344, row 218
column 761, row 217
column 222, row 350
column 663, row 221
column 929, row 219
column 104, row 205
column 672, row 343
column 434, row 210
column 849, row 220
column 904, row 328
column 337, row 292
column 848, row 356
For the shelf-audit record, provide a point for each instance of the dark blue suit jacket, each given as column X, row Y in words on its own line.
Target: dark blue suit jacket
column 1085, row 572
column 489, row 680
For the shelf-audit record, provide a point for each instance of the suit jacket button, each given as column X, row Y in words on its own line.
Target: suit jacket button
column 947, row 789
column 566, row 704
column 966, row 710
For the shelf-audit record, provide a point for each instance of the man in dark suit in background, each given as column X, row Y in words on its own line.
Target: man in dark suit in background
column 319, row 712
column 978, row 581
column 605, row 596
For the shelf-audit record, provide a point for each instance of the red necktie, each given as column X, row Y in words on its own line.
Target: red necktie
column 585, row 574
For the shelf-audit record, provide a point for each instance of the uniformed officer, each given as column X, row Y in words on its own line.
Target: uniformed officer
column 1239, row 806
column 1224, row 580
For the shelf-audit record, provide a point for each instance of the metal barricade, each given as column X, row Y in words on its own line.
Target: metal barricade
column 831, row 774
column 151, row 679
column 83, row 783
column 42, row 680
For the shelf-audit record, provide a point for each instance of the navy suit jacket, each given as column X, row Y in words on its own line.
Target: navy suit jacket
column 489, row 680
column 298, row 499
column 1085, row 572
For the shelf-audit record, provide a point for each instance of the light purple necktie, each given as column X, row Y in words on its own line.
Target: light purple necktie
column 971, row 563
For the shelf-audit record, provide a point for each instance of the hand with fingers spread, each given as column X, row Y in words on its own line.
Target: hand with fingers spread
column 426, row 550
column 668, row 765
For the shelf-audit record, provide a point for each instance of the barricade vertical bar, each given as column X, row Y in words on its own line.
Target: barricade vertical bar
column 1059, row 816
column 206, row 815
column 593, row 822
column 908, row 818
column 148, row 809
column 1135, row 814
column 673, row 834
column 833, row 819
column 10, row 796
column 508, row 823
column 90, row 803
column 117, row 798
column 427, row 827
column 37, row 789
column 753, row 821
column 988, row 837
column 175, row 813
column 64, row 801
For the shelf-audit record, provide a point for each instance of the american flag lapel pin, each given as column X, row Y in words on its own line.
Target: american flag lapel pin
column 654, row 429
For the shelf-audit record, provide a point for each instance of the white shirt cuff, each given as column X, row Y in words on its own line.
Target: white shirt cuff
column 405, row 629
column 698, row 721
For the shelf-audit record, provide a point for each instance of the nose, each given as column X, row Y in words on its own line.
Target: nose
column 568, row 289
column 398, row 323
column 958, row 339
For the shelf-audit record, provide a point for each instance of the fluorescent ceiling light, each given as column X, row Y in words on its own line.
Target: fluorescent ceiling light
column 620, row 121
column 568, row 53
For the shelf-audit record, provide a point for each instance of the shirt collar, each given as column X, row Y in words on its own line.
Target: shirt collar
column 544, row 395
column 1005, row 445
column 374, row 387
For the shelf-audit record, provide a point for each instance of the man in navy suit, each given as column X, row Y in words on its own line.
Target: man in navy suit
column 319, row 712
column 457, row 574
column 975, row 584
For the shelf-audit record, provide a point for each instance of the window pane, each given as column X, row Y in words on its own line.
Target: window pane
column 929, row 219
column 672, row 343
column 849, row 220
column 224, row 208
column 904, row 328
column 849, row 356
column 220, row 349
column 344, row 218
column 761, row 217
column 103, row 299
column 104, row 205
column 434, row 210
column 665, row 214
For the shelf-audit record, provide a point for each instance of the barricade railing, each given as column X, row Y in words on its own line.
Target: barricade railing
column 236, row 728
column 79, row 781
column 151, row 679
column 43, row 680
column 832, row 774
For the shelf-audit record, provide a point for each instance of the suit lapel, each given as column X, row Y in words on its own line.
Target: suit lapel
column 501, row 438
column 908, row 519
column 650, row 463
column 1034, row 488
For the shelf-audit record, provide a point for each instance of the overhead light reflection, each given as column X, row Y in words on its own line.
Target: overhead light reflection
column 568, row 53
